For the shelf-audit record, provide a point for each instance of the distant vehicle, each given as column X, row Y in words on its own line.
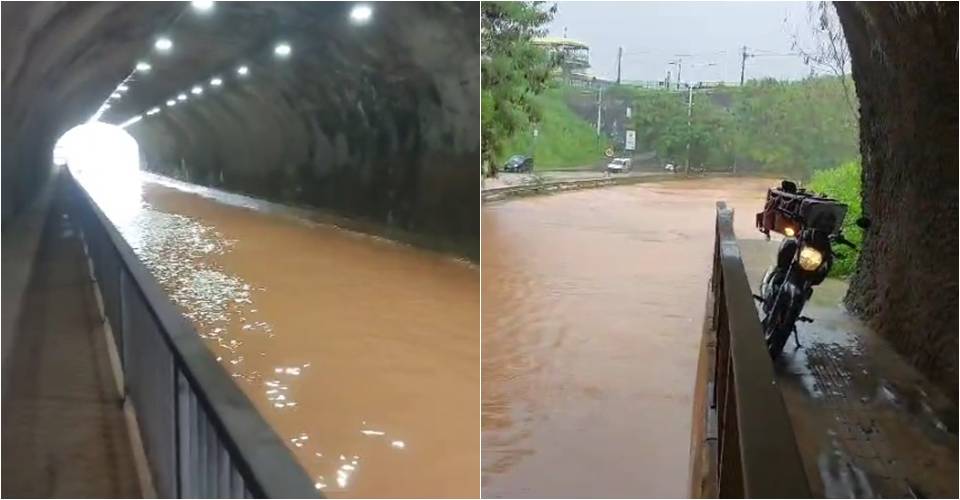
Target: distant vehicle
column 619, row 165
column 518, row 163
column 670, row 168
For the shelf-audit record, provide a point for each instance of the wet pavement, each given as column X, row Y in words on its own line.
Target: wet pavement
column 868, row 424
column 363, row 354
column 592, row 315
column 64, row 431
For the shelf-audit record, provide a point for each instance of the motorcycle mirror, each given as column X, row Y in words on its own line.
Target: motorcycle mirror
column 863, row 223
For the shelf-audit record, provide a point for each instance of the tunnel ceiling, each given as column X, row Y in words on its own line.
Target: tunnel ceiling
column 377, row 121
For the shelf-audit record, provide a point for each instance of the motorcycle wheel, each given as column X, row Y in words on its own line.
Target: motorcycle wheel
column 776, row 329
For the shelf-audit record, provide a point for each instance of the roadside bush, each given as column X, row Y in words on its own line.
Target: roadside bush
column 843, row 183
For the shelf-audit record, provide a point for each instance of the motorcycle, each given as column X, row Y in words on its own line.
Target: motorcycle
column 812, row 225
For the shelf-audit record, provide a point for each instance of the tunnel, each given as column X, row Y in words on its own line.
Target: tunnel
column 371, row 118
column 904, row 59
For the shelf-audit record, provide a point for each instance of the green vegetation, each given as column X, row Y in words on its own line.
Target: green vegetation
column 564, row 140
column 513, row 71
column 843, row 183
column 789, row 128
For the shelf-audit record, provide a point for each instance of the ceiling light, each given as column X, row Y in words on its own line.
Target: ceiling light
column 163, row 44
column 105, row 107
column 122, row 88
column 202, row 5
column 197, row 90
column 360, row 14
column 216, row 82
column 242, row 70
column 131, row 121
column 153, row 111
column 182, row 97
column 144, row 67
column 171, row 102
column 282, row 49
column 115, row 95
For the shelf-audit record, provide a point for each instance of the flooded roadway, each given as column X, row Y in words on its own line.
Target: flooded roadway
column 362, row 353
column 592, row 314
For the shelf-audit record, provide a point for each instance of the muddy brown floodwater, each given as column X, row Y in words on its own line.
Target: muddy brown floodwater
column 363, row 354
column 593, row 308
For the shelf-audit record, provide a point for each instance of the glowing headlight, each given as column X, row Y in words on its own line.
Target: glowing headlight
column 789, row 231
column 810, row 258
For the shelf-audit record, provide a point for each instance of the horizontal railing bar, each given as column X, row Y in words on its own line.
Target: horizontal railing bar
column 772, row 467
column 269, row 467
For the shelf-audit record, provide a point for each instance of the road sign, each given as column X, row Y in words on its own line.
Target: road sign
column 631, row 142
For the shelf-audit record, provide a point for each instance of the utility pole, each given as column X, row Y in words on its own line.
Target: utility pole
column 743, row 63
column 689, row 123
column 619, row 62
column 599, row 108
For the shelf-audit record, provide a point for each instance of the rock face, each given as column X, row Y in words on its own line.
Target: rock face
column 376, row 121
column 905, row 67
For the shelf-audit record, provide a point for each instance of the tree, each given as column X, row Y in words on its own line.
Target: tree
column 513, row 70
column 829, row 52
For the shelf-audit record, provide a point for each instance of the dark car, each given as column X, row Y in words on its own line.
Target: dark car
column 518, row 163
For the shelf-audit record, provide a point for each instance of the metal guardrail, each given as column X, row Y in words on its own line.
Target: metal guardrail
column 202, row 436
column 747, row 447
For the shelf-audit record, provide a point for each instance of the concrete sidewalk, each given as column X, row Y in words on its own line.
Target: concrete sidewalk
column 64, row 433
column 868, row 424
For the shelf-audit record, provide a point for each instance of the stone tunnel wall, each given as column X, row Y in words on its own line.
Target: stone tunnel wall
column 905, row 65
column 384, row 129
column 60, row 61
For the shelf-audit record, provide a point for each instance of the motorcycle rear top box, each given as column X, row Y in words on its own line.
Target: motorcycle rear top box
column 796, row 211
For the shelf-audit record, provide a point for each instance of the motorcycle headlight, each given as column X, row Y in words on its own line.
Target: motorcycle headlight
column 789, row 231
column 810, row 258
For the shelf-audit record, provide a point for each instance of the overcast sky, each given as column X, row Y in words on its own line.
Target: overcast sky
column 652, row 33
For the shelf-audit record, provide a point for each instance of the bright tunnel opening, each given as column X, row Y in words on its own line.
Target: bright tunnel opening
column 105, row 160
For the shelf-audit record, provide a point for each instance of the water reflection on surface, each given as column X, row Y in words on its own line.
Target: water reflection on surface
column 363, row 354
column 592, row 313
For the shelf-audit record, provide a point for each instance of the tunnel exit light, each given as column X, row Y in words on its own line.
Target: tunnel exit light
column 361, row 14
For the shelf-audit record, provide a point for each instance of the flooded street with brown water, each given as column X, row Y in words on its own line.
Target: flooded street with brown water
column 593, row 307
column 362, row 353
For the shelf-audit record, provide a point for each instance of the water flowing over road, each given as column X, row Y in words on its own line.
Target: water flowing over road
column 593, row 307
column 362, row 353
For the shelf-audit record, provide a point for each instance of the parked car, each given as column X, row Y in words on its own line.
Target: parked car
column 619, row 165
column 518, row 163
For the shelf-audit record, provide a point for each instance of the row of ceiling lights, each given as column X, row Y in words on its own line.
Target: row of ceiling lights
column 360, row 14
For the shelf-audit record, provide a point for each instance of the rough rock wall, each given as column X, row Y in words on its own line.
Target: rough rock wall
column 905, row 66
column 60, row 61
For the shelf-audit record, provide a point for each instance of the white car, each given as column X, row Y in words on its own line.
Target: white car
column 619, row 165
column 669, row 167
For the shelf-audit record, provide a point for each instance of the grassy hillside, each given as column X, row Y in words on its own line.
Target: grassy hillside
column 565, row 140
